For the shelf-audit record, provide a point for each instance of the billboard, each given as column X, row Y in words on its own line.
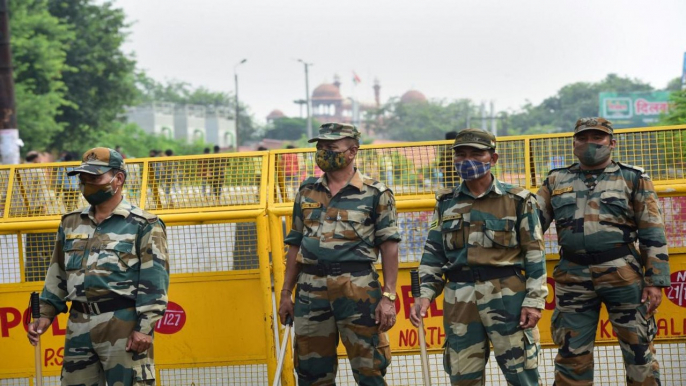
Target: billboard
column 633, row 109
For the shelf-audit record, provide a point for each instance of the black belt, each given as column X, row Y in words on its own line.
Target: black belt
column 98, row 308
column 474, row 274
column 335, row 269
column 597, row 257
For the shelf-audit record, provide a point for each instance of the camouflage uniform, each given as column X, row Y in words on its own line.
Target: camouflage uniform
column 346, row 228
column 481, row 244
column 597, row 213
column 499, row 228
column 122, row 261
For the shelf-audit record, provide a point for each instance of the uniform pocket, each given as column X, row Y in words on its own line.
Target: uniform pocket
column 118, row 256
column 532, row 345
column 145, row 374
column 450, row 360
column 556, row 330
column 354, row 225
column 453, row 234
column 646, row 329
column 312, row 220
column 499, row 234
column 74, row 250
column 614, row 207
column 382, row 352
column 564, row 206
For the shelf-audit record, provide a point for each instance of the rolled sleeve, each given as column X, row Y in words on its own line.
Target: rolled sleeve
column 54, row 294
column 153, row 284
column 386, row 227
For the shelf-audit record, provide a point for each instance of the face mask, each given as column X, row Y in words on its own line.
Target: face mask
column 592, row 154
column 472, row 170
column 330, row 161
column 97, row 194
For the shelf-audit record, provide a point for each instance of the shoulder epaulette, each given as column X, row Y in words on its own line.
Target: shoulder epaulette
column 560, row 169
column 443, row 193
column 380, row 186
column 637, row 168
column 149, row 217
column 75, row 211
column 518, row 191
column 309, row 181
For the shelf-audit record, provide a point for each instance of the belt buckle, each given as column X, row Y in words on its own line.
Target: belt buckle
column 94, row 308
column 475, row 275
column 335, row 269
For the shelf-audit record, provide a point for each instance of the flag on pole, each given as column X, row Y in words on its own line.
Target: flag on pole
column 356, row 79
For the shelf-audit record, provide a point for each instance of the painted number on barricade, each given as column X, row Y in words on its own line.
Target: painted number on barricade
column 172, row 321
column 677, row 292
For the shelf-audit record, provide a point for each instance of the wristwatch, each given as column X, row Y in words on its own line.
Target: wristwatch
column 390, row 296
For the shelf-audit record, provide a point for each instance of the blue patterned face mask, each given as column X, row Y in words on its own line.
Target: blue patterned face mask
column 471, row 170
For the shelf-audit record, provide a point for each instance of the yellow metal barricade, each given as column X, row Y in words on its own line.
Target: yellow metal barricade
column 227, row 216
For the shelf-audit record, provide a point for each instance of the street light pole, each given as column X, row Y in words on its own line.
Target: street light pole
column 307, row 97
column 235, row 78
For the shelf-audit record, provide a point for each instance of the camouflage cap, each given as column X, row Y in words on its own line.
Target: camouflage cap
column 477, row 138
column 593, row 123
column 98, row 161
column 333, row 131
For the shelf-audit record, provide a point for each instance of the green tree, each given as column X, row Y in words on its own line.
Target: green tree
column 102, row 81
column 38, row 46
column 290, row 129
column 674, row 85
column 571, row 102
column 423, row 121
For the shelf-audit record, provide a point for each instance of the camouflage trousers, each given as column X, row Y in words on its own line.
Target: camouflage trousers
column 476, row 313
column 95, row 351
column 327, row 307
column 579, row 292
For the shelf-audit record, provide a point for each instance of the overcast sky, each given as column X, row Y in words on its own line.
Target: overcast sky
column 506, row 51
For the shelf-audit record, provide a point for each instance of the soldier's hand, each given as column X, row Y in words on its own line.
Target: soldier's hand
column 138, row 342
column 419, row 311
column 385, row 314
column 653, row 295
column 285, row 307
column 529, row 317
column 37, row 328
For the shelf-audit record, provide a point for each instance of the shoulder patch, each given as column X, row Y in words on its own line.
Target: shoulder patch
column 443, row 193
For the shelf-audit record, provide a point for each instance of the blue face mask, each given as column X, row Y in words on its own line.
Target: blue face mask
column 472, row 170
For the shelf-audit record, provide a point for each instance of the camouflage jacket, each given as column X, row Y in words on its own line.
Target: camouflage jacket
column 347, row 227
column 621, row 208
column 124, row 256
column 499, row 228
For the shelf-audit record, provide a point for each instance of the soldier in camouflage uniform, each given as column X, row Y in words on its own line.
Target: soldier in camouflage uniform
column 110, row 261
column 340, row 223
column 601, row 208
column 485, row 247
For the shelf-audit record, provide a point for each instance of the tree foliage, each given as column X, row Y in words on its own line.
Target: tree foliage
column 289, row 129
column 573, row 101
column 39, row 44
column 421, row 121
column 102, row 80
